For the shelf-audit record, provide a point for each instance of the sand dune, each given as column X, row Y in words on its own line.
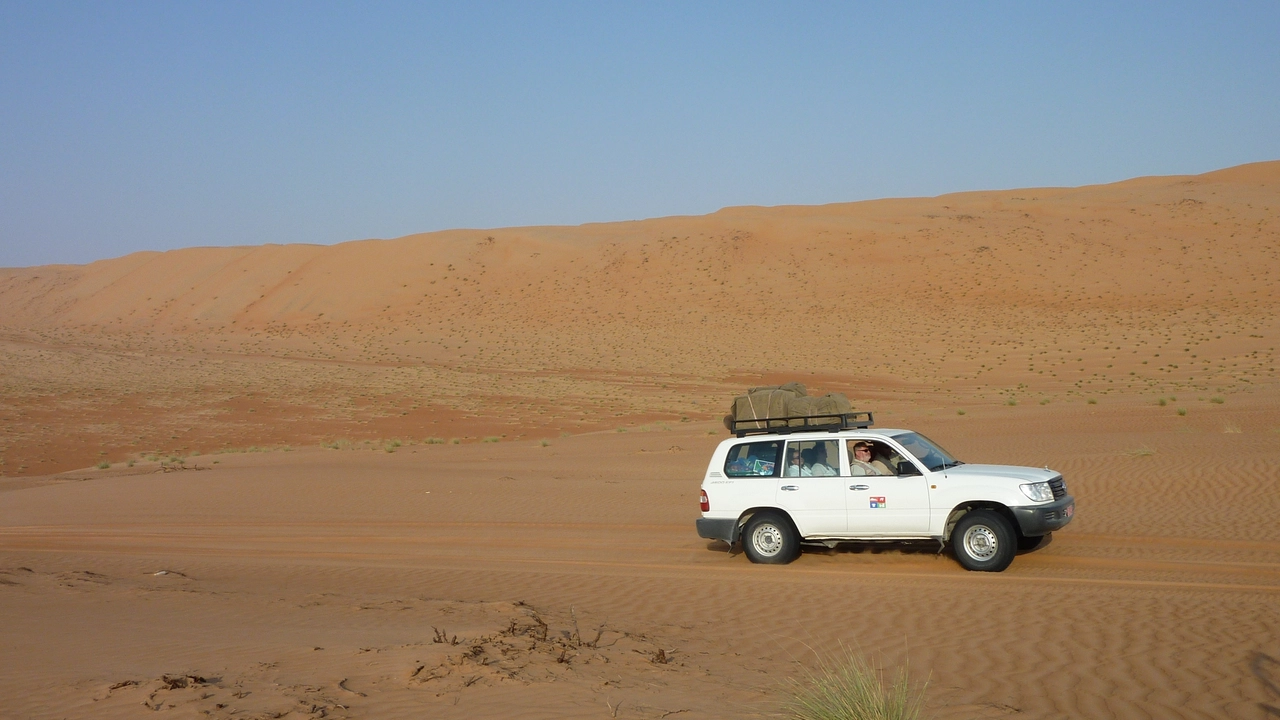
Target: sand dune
column 283, row 523
column 1139, row 288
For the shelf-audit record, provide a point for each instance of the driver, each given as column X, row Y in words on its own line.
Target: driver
column 860, row 462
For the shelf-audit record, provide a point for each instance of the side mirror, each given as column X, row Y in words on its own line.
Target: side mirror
column 906, row 467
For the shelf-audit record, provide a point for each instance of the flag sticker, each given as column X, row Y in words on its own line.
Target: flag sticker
column 878, row 502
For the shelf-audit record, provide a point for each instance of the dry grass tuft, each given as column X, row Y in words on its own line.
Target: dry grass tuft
column 851, row 689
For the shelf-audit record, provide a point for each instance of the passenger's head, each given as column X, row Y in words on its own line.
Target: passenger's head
column 793, row 457
column 862, row 451
column 808, row 456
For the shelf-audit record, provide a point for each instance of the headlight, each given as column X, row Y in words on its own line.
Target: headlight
column 1040, row 492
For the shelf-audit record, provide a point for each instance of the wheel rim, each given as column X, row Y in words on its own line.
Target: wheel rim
column 981, row 543
column 767, row 540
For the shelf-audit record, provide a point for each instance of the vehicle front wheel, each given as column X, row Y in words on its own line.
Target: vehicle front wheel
column 983, row 540
column 769, row 538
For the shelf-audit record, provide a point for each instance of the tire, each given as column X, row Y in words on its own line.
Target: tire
column 984, row 541
column 769, row 538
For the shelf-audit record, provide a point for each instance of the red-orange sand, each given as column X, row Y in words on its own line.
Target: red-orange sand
column 286, row 527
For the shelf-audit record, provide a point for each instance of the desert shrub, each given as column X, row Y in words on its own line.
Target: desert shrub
column 104, row 465
column 851, row 689
column 491, row 439
column 1217, row 400
column 1182, row 411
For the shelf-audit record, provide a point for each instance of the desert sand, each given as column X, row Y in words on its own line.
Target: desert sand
column 456, row 474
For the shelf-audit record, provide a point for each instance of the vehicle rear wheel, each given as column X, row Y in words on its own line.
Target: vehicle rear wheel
column 984, row 541
column 769, row 538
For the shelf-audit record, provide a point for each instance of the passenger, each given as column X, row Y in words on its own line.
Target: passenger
column 882, row 460
column 819, row 467
column 806, row 458
column 795, row 466
column 860, row 462
column 880, row 464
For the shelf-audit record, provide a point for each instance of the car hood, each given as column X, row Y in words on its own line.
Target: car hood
column 1012, row 472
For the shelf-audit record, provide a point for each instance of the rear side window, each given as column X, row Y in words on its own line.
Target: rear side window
column 757, row 459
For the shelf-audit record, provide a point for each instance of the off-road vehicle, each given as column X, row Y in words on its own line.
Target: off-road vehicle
column 781, row 482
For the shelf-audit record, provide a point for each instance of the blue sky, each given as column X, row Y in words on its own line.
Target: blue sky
column 127, row 126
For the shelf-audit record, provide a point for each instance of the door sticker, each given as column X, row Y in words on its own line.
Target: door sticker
column 878, row 502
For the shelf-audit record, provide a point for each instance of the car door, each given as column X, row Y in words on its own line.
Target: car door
column 887, row 505
column 813, row 491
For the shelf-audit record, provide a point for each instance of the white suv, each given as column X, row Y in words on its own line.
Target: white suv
column 777, row 487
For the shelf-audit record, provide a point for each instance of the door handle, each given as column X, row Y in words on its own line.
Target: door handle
column 859, row 487
column 789, row 487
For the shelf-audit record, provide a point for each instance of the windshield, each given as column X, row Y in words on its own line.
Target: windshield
column 928, row 453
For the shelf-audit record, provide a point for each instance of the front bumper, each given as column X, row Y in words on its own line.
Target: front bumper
column 1044, row 519
column 725, row 529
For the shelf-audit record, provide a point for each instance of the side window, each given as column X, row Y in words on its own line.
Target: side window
column 812, row 458
column 758, row 459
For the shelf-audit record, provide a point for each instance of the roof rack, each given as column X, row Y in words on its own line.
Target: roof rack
column 801, row 423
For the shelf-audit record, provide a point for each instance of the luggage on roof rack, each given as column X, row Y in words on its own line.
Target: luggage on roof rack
column 785, row 425
column 788, row 408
